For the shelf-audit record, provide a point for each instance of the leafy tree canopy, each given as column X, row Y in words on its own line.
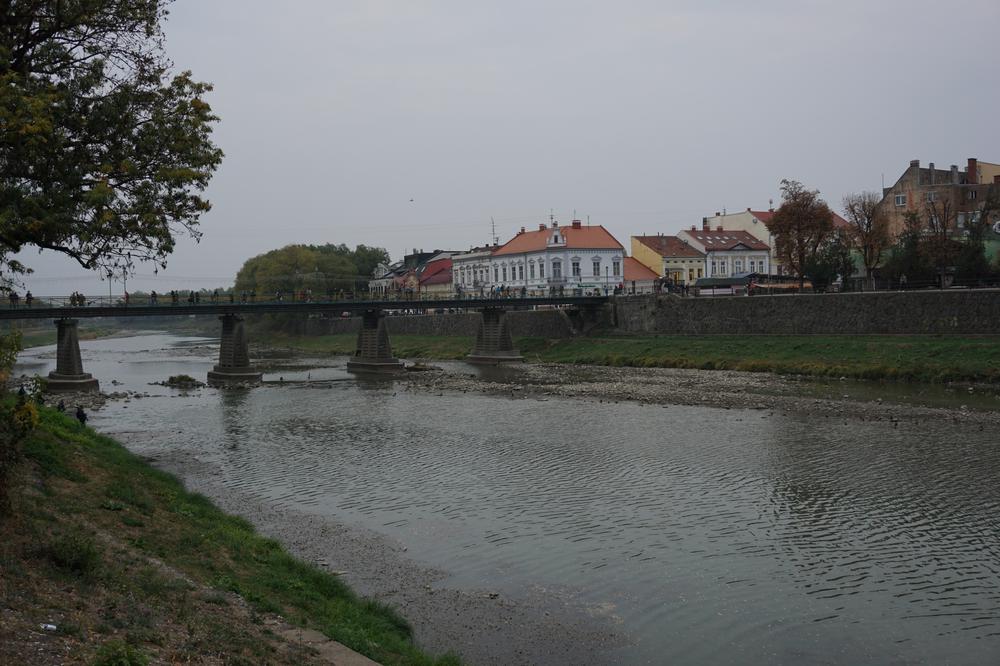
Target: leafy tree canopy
column 800, row 227
column 105, row 153
column 321, row 268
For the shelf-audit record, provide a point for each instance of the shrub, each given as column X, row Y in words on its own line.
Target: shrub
column 76, row 553
column 119, row 653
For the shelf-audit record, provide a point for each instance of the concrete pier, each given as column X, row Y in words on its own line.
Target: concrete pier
column 494, row 344
column 374, row 353
column 234, row 354
column 69, row 375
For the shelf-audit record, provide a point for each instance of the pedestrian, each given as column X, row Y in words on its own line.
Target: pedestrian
column 28, row 298
column 197, row 298
column 13, row 299
column 61, row 407
column 126, row 299
column 232, row 296
column 81, row 415
column 215, row 296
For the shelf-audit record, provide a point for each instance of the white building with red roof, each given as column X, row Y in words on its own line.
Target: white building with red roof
column 729, row 253
column 574, row 259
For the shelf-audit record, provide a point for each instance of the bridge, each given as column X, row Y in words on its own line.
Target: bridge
column 373, row 354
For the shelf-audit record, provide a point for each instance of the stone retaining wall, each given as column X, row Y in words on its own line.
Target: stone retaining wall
column 523, row 323
column 891, row 312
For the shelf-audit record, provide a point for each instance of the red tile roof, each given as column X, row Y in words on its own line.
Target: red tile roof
column 583, row 238
column 669, row 246
column 766, row 215
column 635, row 270
column 436, row 272
column 726, row 240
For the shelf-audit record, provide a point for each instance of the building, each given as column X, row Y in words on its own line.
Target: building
column 576, row 259
column 639, row 278
column 471, row 270
column 918, row 186
column 434, row 278
column 755, row 223
column 729, row 253
column 669, row 257
column 402, row 277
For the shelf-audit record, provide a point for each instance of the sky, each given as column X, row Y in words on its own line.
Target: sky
column 415, row 123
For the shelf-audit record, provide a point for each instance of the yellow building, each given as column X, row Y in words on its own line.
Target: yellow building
column 669, row 257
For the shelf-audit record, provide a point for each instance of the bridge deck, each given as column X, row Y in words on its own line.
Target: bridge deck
column 271, row 307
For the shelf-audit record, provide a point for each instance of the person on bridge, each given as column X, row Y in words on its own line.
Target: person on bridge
column 28, row 298
column 253, row 295
column 126, row 299
column 13, row 299
column 174, row 296
column 215, row 296
column 152, row 297
column 190, row 298
column 81, row 415
column 197, row 298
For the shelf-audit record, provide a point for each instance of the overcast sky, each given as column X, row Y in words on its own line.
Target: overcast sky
column 409, row 124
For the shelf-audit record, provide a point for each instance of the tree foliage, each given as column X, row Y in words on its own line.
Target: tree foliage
column 869, row 228
column 833, row 260
column 800, row 226
column 105, row 153
column 320, row 268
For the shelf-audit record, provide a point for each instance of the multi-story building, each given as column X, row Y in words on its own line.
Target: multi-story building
column 729, row 253
column 471, row 270
column 755, row 223
column 670, row 257
column 576, row 259
column 917, row 187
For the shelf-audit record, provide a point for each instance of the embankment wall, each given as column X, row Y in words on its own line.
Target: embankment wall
column 911, row 312
column 523, row 323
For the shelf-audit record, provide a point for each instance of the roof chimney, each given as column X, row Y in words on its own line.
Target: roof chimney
column 704, row 223
column 931, row 167
column 521, row 231
column 748, row 209
column 555, row 225
column 541, row 226
column 577, row 224
column 719, row 228
column 694, row 228
column 972, row 173
column 954, row 174
column 915, row 163
column 717, row 213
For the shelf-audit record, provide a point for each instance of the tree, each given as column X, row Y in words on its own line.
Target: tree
column 800, row 226
column 104, row 152
column 833, row 260
column 869, row 229
column 907, row 262
column 321, row 268
column 939, row 243
column 971, row 262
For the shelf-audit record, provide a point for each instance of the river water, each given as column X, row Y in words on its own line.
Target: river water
column 701, row 535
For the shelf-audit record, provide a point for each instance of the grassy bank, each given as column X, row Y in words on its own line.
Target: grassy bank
column 122, row 560
column 896, row 358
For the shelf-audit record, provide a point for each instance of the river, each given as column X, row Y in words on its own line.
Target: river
column 639, row 533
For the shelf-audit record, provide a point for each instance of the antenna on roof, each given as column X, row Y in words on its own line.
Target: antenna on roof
column 588, row 220
column 493, row 229
column 552, row 217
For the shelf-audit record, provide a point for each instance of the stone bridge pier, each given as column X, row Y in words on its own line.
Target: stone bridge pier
column 494, row 344
column 234, row 354
column 373, row 353
column 69, row 375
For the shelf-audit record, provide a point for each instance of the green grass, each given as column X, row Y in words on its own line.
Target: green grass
column 99, row 479
column 911, row 358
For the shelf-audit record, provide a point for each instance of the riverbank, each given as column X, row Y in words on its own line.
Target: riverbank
column 106, row 557
column 906, row 358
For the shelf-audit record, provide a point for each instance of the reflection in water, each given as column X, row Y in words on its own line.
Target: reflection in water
column 715, row 536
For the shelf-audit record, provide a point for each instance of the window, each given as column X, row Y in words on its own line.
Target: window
column 496, row 274
column 931, row 197
column 541, row 271
column 738, row 266
column 520, row 272
column 576, row 269
column 556, row 269
column 973, row 194
column 715, row 268
column 504, row 271
column 531, row 271
column 616, row 268
column 691, row 274
column 699, row 272
column 900, row 199
column 597, row 269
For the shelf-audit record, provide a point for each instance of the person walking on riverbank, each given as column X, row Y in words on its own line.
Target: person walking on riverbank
column 81, row 415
